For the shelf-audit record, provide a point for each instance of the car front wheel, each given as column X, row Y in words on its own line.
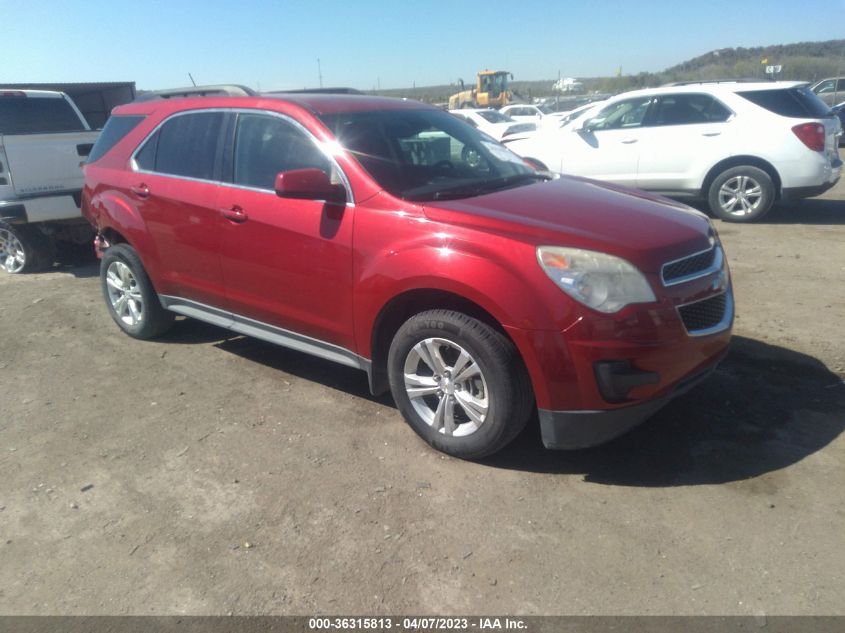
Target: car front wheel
column 459, row 383
column 741, row 194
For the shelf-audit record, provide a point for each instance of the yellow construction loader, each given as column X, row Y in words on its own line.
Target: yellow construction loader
column 490, row 91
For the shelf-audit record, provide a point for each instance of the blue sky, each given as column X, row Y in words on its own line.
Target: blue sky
column 364, row 43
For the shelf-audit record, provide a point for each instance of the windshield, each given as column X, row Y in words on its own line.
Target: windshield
column 495, row 117
column 428, row 154
column 494, row 84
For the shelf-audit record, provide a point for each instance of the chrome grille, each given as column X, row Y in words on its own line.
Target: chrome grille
column 692, row 266
column 705, row 314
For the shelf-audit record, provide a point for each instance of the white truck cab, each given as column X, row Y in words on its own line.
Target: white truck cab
column 44, row 139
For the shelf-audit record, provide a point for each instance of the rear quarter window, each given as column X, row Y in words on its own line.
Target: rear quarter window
column 796, row 103
column 116, row 128
column 37, row 115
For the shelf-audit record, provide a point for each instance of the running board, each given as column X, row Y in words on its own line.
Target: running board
column 264, row 331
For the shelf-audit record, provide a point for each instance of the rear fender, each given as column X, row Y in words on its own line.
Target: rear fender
column 111, row 210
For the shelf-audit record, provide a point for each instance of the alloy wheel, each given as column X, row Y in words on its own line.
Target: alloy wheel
column 740, row 195
column 446, row 387
column 12, row 255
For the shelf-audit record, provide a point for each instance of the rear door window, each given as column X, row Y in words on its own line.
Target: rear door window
column 37, row 115
column 795, row 103
column 266, row 145
column 188, row 145
column 688, row 109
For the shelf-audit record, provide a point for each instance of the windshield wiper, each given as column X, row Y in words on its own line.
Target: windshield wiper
column 489, row 186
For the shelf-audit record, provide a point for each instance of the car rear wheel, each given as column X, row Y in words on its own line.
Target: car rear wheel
column 459, row 383
column 24, row 249
column 129, row 294
column 741, row 194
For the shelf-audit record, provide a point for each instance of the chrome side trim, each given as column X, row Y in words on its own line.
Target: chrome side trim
column 716, row 266
column 722, row 325
column 320, row 145
column 264, row 331
column 197, row 310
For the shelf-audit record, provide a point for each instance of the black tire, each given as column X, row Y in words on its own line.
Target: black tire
column 38, row 250
column 758, row 194
column 503, row 383
column 152, row 319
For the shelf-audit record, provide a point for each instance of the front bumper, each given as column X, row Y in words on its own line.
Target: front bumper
column 569, row 430
column 605, row 374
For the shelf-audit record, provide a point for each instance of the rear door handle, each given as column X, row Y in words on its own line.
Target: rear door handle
column 629, row 141
column 710, row 133
column 235, row 214
column 141, row 191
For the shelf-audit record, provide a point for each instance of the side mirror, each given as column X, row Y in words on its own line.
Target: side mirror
column 585, row 126
column 309, row 184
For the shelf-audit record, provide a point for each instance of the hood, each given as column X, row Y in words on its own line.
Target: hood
column 645, row 229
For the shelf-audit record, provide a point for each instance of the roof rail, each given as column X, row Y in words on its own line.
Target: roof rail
column 318, row 91
column 693, row 82
column 222, row 90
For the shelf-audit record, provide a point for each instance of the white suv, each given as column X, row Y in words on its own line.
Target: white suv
column 739, row 146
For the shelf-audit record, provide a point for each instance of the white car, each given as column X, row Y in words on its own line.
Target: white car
column 523, row 112
column 739, row 146
column 493, row 123
column 560, row 119
column 831, row 90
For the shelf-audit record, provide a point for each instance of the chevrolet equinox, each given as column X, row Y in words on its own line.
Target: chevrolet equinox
column 390, row 236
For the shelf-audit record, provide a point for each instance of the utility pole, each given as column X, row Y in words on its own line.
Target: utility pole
column 192, row 79
column 319, row 72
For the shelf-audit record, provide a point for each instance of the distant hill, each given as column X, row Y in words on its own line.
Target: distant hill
column 804, row 61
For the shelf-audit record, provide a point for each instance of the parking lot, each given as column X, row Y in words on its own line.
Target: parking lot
column 212, row 474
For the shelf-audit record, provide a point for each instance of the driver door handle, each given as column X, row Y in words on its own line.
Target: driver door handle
column 628, row 141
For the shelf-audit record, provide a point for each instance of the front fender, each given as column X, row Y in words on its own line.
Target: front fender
column 499, row 273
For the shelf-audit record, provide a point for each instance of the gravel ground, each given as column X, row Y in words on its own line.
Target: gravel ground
column 211, row 474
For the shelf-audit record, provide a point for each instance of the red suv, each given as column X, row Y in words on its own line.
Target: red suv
column 390, row 236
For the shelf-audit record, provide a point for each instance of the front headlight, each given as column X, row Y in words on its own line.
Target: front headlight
column 599, row 281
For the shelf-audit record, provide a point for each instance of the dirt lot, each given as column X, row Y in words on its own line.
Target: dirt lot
column 208, row 474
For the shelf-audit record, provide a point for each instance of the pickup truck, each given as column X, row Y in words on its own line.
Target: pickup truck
column 43, row 141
